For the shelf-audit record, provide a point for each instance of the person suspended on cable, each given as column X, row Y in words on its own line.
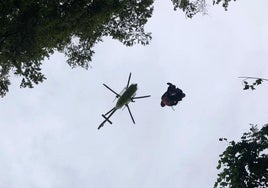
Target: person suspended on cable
column 172, row 96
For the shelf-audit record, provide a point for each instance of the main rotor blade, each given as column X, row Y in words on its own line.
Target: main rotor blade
column 141, row 97
column 130, row 114
column 128, row 79
column 117, row 95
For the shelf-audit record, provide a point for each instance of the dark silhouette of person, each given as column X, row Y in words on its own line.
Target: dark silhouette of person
column 172, row 96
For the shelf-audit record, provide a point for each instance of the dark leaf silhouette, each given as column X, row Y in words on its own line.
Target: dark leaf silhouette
column 258, row 81
column 245, row 163
column 252, row 85
column 225, row 3
column 246, row 87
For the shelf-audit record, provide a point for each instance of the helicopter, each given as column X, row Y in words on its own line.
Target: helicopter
column 124, row 98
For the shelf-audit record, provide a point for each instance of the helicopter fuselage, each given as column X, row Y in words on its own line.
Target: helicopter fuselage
column 126, row 97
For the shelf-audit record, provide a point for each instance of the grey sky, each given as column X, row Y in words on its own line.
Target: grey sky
column 49, row 136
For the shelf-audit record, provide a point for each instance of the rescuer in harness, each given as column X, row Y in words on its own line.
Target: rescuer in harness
column 172, row 96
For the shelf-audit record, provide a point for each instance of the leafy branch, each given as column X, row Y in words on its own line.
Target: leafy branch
column 245, row 163
column 251, row 85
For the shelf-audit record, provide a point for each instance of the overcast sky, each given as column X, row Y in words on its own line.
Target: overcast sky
column 49, row 136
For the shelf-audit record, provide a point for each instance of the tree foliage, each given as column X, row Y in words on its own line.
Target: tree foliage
column 225, row 3
column 245, row 164
column 190, row 8
column 32, row 30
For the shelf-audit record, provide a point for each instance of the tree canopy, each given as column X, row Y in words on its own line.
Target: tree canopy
column 32, row 30
column 245, row 163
